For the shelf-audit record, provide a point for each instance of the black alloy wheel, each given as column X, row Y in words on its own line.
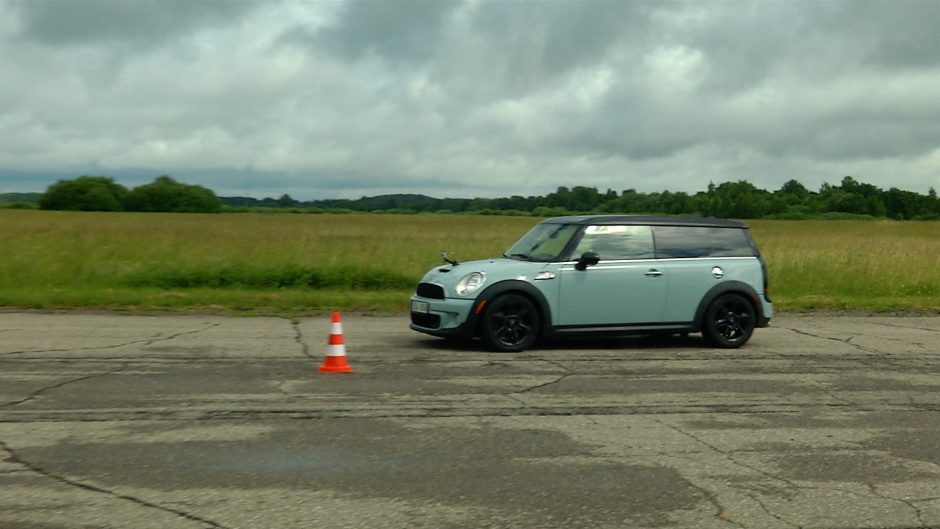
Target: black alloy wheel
column 729, row 321
column 510, row 323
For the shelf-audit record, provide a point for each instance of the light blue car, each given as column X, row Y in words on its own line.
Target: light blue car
column 603, row 274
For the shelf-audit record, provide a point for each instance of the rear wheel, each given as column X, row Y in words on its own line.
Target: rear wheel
column 510, row 323
column 729, row 321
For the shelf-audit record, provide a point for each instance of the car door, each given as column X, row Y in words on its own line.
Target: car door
column 697, row 258
column 626, row 287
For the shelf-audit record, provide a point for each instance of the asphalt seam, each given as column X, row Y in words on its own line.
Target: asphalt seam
column 14, row 458
column 38, row 392
column 906, row 327
column 395, row 412
column 148, row 341
column 630, row 358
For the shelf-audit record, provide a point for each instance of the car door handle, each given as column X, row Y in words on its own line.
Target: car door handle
column 654, row 273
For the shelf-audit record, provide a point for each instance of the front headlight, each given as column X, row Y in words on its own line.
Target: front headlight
column 469, row 283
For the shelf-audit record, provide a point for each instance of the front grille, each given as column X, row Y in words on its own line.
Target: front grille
column 430, row 290
column 428, row 321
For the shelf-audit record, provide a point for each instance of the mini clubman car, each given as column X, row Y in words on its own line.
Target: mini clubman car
column 603, row 274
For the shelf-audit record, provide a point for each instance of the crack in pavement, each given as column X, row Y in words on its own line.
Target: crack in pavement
column 713, row 497
column 513, row 394
column 847, row 341
column 298, row 337
column 918, row 513
column 757, row 500
column 517, row 400
column 40, row 391
column 859, row 347
column 14, row 458
column 906, row 327
column 830, row 393
column 906, row 342
column 789, row 483
column 540, row 386
column 733, row 460
column 148, row 341
column 710, row 496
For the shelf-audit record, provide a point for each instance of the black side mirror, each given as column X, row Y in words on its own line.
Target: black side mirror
column 587, row 259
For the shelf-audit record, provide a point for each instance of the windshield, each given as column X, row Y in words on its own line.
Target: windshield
column 544, row 242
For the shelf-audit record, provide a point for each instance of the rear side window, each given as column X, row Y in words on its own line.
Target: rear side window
column 696, row 241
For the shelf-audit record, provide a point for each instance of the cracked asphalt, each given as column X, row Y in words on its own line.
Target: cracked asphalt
column 115, row 421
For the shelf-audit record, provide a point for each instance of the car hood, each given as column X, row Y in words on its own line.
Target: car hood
column 495, row 270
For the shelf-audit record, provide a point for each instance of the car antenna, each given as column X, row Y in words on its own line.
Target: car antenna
column 444, row 257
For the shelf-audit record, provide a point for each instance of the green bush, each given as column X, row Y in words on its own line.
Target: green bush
column 167, row 195
column 85, row 193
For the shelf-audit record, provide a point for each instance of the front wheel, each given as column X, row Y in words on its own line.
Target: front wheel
column 510, row 323
column 729, row 321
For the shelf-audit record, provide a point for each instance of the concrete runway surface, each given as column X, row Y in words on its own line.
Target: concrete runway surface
column 122, row 421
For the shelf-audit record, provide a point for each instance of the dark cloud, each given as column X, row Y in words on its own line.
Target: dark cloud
column 407, row 31
column 891, row 35
column 553, row 38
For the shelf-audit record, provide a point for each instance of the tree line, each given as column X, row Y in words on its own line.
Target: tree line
column 740, row 199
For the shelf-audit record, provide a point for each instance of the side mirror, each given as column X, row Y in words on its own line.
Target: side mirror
column 587, row 259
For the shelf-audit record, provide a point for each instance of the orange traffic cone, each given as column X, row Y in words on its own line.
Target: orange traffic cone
column 335, row 361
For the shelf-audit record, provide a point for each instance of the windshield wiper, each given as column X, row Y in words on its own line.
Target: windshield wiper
column 521, row 256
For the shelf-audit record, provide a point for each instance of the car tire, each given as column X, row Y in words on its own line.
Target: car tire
column 510, row 323
column 729, row 321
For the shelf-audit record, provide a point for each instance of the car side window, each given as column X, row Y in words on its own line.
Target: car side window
column 674, row 242
column 617, row 242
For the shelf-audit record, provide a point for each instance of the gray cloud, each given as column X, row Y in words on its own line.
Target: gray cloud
column 395, row 31
column 68, row 22
column 466, row 98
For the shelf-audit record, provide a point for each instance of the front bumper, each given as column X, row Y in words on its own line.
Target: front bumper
column 444, row 317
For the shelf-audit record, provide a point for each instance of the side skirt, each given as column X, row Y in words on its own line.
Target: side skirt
column 574, row 330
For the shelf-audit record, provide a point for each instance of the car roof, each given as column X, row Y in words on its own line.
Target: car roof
column 650, row 220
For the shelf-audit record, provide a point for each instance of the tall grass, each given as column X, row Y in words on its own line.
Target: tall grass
column 303, row 263
column 875, row 265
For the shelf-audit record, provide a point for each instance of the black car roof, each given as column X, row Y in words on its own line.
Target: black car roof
column 650, row 220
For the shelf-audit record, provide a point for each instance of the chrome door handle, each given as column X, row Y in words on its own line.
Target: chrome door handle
column 654, row 273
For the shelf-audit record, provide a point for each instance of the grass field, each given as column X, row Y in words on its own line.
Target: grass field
column 304, row 264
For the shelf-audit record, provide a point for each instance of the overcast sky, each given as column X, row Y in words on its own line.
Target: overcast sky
column 469, row 98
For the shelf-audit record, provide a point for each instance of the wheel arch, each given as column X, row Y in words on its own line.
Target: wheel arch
column 728, row 287
column 510, row 286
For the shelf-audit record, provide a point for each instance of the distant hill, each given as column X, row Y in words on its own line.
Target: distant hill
column 380, row 202
column 7, row 198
